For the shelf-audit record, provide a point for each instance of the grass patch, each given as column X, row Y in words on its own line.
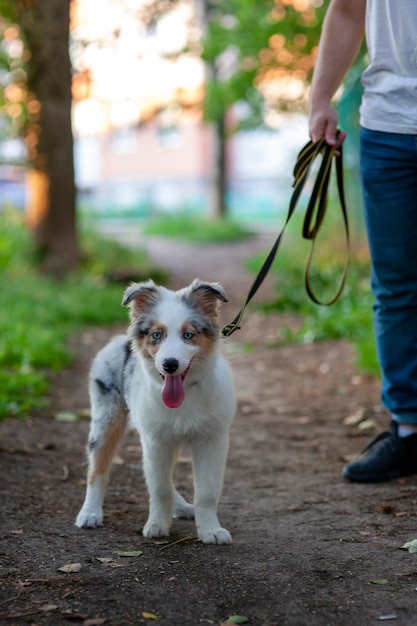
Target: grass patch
column 197, row 230
column 38, row 314
column 350, row 318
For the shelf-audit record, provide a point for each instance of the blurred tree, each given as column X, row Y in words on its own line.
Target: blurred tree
column 258, row 54
column 261, row 55
column 264, row 52
column 43, row 28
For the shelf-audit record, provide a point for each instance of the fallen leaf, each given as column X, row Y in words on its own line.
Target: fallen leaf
column 367, row 425
column 355, row 419
column 380, row 581
column 41, row 445
column 129, row 553
column 411, row 546
column 237, row 619
column 17, row 532
column 386, row 508
column 66, row 416
column 384, row 618
column 146, row 615
column 94, row 621
column 347, row 458
column 70, row 568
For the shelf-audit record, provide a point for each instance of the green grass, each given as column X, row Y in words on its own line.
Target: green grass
column 38, row 315
column 350, row 318
column 196, row 229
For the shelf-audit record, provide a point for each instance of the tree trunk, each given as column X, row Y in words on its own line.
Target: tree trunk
column 51, row 206
column 218, row 177
column 217, row 181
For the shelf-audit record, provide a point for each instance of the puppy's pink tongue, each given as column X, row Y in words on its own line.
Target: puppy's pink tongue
column 173, row 391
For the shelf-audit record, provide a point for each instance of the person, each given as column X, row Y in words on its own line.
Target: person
column 388, row 169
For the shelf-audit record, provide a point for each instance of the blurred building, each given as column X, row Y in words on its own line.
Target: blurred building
column 140, row 143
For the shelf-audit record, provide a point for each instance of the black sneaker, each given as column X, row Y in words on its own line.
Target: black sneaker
column 392, row 458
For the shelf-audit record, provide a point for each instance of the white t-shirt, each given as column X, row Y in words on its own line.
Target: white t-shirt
column 389, row 102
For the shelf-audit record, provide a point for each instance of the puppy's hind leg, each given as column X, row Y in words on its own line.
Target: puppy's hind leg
column 182, row 508
column 109, row 420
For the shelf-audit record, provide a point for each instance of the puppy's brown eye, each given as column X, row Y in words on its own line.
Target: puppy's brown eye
column 188, row 335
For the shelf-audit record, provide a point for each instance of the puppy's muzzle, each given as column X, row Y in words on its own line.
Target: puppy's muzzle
column 170, row 366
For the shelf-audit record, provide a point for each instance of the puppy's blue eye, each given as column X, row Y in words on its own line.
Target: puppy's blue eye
column 188, row 335
column 156, row 335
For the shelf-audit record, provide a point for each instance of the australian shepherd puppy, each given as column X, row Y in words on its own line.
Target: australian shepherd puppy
column 167, row 379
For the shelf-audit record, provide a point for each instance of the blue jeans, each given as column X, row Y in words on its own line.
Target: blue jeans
column 389, row 182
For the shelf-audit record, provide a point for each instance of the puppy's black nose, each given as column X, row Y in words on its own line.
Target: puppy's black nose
column 170, row 365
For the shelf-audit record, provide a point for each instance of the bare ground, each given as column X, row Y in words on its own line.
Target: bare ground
column 309, row 548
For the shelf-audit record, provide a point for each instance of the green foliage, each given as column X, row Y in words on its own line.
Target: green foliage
column 13, row 70
column 195, row 229
column 350, row 318
column 256, row 41
column 38, row 315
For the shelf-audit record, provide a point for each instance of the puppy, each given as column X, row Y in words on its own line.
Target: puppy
column 167, row 379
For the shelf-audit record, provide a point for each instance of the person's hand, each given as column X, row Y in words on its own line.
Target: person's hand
column 323, row 123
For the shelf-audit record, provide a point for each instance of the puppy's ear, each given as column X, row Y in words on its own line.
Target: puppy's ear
column 139, row 296
column 207, row 295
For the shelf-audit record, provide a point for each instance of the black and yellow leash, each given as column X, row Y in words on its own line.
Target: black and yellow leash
column 313, row 219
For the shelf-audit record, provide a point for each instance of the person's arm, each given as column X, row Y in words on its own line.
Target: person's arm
column 341, row 38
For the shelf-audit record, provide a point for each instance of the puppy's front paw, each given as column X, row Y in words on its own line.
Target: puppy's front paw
column 216, row 535
column 152, row 530
column 89, row 519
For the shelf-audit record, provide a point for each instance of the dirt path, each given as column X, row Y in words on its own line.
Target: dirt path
column 309, row 548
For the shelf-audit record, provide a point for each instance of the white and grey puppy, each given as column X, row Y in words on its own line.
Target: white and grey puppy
column 168, row 380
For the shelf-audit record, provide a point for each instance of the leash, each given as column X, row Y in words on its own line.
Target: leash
column 313, row 219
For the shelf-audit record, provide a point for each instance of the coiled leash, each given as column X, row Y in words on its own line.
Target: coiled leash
column 313, row 219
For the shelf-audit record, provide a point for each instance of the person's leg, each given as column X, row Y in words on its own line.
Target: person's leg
column 389, row 181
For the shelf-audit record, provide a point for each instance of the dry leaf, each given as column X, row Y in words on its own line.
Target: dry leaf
column 41, row 445
column 70, row 568
column 355, row 418
column 411, row 546
column 367, row 425
column 347, row 458
column 94, row 621
column 146, row 615
column 386, row 508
